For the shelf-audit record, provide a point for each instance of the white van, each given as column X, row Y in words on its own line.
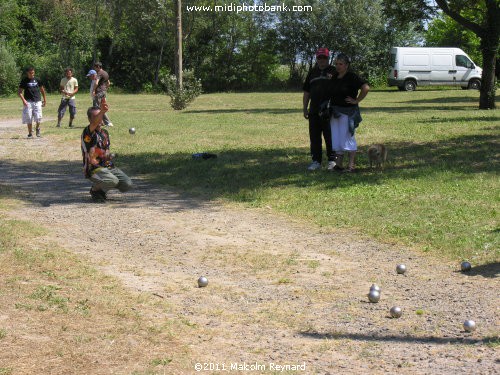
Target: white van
column 413, row 66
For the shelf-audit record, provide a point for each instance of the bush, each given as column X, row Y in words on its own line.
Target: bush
column 9, row 73
column 181, row 97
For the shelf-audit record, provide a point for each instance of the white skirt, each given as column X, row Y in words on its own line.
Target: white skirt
column 342, row 140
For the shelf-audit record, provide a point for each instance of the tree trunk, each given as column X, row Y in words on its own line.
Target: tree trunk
column 488, row 88
column 489, row 49
column 158, row 66
column 178, row 59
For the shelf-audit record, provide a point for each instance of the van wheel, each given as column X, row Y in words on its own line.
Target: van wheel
column 474, row 84
column 410, row 85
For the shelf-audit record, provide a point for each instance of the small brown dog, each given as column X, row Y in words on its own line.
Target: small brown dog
column 377, row 154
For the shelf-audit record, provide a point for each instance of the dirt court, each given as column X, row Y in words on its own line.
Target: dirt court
column 280, row 293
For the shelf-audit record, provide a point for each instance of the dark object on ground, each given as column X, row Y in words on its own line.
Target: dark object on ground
column 204, row 155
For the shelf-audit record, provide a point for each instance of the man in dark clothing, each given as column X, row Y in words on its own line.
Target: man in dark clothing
column 316, row 93
column 100, row 89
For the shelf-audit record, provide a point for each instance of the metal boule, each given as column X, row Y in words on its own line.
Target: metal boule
column 375, row 287
column 396, row 312
column 374, row 296
column 131, row 130
column 465, row 266
column 202, row 282
column 400, row 269
column 469, row 325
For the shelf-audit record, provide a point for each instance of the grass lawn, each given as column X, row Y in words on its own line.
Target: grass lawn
column 438, row 192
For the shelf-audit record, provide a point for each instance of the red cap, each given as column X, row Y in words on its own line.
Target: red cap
column 322, row 52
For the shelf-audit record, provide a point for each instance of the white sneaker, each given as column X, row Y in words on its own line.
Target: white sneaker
column 109, row 124
column 331, row 165
column 314, row 165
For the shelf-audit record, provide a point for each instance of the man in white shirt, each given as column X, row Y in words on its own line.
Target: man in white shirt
column 68, row 87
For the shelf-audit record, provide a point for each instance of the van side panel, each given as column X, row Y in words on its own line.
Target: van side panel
column 442, row 71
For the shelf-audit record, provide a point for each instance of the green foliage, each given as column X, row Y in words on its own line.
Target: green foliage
column 181, row 97
column 445, row 32
column 9, row 73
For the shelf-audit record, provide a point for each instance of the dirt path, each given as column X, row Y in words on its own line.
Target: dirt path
column 279, row 291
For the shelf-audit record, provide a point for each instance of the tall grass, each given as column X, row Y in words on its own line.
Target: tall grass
column 439, row 191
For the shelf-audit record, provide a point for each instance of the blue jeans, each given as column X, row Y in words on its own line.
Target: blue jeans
column 62, row 108
column 110, row 178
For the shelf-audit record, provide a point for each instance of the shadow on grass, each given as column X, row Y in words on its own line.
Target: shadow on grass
column 392, row 109
column 434, row 119
column 240, row 174
column 397, row 338
column 445, row 100
column 273, row 111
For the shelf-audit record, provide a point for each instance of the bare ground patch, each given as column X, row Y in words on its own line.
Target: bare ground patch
column 279, row 291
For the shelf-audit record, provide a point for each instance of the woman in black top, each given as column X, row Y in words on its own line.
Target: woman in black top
column 347, row 90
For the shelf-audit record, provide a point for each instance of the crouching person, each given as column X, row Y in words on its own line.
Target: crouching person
column 98, row 163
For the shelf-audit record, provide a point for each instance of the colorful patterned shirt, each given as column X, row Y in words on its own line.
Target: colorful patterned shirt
column 95, row 150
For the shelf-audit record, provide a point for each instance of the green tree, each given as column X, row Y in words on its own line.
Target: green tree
column 445, row 32
column 357, row 27
column 9, row 73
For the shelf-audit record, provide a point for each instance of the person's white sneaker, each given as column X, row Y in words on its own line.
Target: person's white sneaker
column 331, row 165
column 110, row 124
column 313, row 166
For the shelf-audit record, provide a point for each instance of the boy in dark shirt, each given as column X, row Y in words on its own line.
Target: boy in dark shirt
column 31, row 90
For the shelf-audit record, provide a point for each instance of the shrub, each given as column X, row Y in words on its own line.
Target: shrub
column 9, row 73
column 181, row 97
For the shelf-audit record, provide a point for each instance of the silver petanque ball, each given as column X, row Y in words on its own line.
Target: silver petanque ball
column 375, row 287
column 401, row 269
column 465, row 266
column 131, row 130
column 469, row 325
column 202, row 282
column 396, row 312
column 374, row 296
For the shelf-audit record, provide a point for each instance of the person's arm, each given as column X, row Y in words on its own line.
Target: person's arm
column 20, row 94
column 305, row 104
column 97, row 119
column 362, row 94
column 76, row 90
column 42, row 90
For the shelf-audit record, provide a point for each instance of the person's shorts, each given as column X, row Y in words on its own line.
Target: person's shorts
column 67, row 103
column 32, row 112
